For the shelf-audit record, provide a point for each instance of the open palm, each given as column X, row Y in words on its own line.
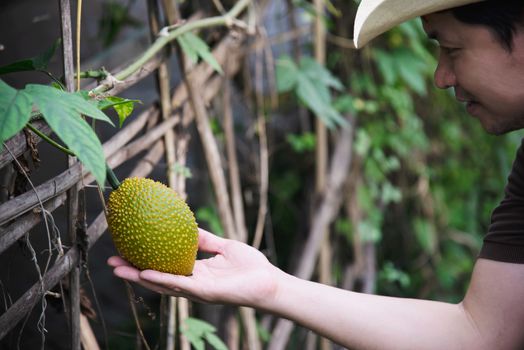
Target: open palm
column 237, row 274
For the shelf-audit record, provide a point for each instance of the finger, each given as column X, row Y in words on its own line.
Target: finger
column 131, row 274
column 127, row 272
column 176, row 283
column 115, row 261
column 210, row 243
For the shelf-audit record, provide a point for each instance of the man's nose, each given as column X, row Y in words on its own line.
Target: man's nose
column 444, row 74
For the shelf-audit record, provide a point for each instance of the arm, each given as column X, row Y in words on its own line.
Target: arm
column 491, row 315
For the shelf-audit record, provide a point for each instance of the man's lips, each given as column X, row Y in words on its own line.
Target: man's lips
column 470, row 104
column 465, row 100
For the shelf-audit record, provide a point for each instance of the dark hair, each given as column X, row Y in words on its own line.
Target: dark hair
column 502, row 17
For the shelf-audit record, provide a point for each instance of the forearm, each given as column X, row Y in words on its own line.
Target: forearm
column 362, row 321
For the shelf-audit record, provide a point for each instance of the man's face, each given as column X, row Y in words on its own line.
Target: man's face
column 488, row 78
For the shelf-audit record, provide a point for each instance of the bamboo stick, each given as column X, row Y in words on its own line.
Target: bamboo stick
column 322, row 156
column 72, row 192
column 10, row 234
column 264, row 153
column 18, row 143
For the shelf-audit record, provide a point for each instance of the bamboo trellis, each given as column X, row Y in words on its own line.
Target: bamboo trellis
column 20, row 214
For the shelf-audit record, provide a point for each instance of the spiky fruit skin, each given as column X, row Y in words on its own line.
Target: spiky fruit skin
column 152, row 226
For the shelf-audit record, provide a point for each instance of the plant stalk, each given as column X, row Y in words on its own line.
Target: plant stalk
column 110, row 175
column 49, row 140
column 111, row 178
column 162, row 41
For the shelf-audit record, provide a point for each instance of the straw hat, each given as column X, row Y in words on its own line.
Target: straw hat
column 374, row 17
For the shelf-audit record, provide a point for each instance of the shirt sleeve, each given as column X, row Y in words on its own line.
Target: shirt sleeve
column 505, row 238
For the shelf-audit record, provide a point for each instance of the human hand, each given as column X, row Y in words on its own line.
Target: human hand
column 237, row 274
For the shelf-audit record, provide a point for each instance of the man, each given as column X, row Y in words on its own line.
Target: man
column 482, row 59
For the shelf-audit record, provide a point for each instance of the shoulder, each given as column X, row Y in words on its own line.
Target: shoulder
column 505, row 238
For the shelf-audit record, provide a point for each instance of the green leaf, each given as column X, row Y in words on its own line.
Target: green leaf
column 123, row 106
column 362, row 142
column 390, row 193
column 319, row 73
column 313, row 96
column 188, row 49
column 386, row 66
column 263, row 333
column 39, row 62
column 311, row 82
column 215, row 342
column 286, row 74
column 195, row 47
column 66, row 101
column 63, row 116
column 181, row 169
column 15, row 111
column 201, row 327
column 369, row 232
column 210, row 215
column 198, row 343
column 19, row 66
column 347, row 104
column 426, row 235
column 197, row 330
column 302, row 143
column 392, row 274
column 412, row 70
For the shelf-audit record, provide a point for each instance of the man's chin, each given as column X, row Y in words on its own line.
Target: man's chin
column 499, row 129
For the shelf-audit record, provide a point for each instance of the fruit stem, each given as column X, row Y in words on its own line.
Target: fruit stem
column 111, row 178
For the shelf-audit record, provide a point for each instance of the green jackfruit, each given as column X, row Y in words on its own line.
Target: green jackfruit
column 152, row 226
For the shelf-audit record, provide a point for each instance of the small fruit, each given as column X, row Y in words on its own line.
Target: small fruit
column 152, row 226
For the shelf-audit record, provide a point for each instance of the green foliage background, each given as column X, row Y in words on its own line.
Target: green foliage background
column 428, row 174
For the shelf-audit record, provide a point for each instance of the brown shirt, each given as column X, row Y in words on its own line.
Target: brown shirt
column 505, row 238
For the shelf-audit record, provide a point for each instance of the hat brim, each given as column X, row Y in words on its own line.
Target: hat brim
column 374, row 17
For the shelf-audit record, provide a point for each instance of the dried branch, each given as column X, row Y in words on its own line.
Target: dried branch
column 67, row 44
column 131, row 296
column 234, row 175
column 18, row 143
column 219, row 183
column 264, row 154
column 322, row 155
column 175, row 182
column 212, row 154
column 17, row 229
column 49, row 189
